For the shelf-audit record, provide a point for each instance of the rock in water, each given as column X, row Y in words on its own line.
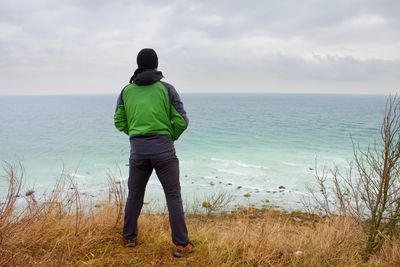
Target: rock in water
column 29, row 192
column 247, row 195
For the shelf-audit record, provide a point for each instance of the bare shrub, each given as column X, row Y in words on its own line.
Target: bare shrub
column 217, row 201
column 117, row 194
column 369, row 188
column 14, row 176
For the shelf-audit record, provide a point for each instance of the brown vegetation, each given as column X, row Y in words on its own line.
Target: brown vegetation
column 369, row 190
column 64, row 231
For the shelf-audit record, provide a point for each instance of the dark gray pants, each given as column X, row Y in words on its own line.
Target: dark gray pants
column 167, row 170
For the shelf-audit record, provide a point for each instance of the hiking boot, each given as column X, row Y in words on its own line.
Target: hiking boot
column 181, row 251
column 130, row 242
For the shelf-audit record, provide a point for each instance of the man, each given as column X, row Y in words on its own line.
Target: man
column 152, row 114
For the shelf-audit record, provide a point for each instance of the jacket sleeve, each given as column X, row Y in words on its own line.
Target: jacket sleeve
column 120, row 120
column 179, row 119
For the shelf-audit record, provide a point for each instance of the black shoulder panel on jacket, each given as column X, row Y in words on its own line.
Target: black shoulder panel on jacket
column 120, row 100
column 175, row 100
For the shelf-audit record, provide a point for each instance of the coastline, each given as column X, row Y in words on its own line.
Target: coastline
column 68, row 230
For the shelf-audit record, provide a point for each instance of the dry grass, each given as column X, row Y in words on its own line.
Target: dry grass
column 65, row 232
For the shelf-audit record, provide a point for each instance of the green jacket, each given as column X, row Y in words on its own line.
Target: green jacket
column 149, row 107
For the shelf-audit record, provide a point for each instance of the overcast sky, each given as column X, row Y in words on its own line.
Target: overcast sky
column 313, row 46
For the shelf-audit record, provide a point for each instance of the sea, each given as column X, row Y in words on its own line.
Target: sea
column 256, row 148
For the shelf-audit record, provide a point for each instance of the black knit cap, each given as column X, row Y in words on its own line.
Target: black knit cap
column 147, row 59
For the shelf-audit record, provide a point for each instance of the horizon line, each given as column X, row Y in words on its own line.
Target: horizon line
column 213, row 93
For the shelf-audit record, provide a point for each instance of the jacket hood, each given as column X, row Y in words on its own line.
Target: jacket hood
column 146, row 76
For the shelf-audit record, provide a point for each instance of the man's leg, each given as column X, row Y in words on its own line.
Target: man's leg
column 167, row 170
column 139, row 174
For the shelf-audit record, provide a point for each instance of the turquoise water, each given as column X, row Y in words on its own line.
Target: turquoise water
column 239, row 143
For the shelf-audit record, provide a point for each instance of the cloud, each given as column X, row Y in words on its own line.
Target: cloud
column 260, row 46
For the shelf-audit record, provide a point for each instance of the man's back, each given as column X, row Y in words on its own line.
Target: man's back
column 147, row 109
column 152, row 114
